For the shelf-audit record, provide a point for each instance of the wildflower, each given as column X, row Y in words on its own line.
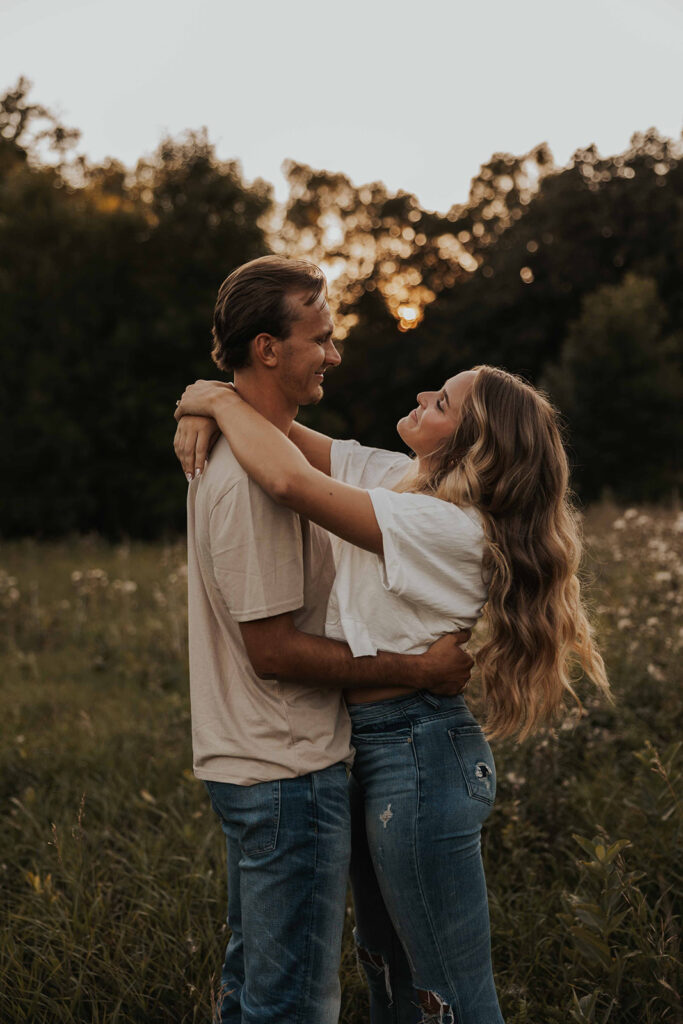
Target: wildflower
column 125, row 586
column 514, row 779
column 98, row 576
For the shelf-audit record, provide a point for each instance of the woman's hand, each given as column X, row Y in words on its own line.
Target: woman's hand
column 198, row 399
column 194, row 439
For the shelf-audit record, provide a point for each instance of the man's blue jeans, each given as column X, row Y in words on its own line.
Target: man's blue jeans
column 422, row 784
column 288, row 859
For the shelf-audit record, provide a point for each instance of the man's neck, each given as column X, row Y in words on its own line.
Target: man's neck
column 266, row 399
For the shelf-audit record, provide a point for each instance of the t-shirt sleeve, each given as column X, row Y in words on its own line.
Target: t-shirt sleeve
column 355, row 464
column 257, row 553
column 433, row 550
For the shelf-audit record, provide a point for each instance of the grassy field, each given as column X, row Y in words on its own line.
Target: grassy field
column 112, row 873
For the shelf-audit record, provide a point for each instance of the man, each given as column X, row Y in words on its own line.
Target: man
column 271, row 736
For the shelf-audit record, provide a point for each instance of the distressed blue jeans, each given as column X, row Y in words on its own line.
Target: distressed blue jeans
column 288, row 848
column 423, row 782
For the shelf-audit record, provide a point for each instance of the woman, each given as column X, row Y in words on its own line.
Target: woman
column 479, row 520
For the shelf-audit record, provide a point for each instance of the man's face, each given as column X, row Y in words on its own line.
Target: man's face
column 308, row 352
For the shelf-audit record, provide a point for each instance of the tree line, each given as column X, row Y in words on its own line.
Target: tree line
column 569, row 275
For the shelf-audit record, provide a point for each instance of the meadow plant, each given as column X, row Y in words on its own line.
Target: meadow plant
column 112, row 874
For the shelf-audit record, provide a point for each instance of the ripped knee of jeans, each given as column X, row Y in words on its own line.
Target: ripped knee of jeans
column 435, row 1010
column 374, row 964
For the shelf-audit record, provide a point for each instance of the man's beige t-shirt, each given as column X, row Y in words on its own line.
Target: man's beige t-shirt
column 250, row 558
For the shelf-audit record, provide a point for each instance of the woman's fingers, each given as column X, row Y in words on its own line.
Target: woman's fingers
column 184, row 447
column 196, row 399
column 194, row 438
column 206, row 439
column 203, row 444
column 196, row 432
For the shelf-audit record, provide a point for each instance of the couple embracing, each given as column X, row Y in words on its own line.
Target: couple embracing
column 330, row 589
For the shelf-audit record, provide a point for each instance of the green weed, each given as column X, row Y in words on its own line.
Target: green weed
column 112, row 874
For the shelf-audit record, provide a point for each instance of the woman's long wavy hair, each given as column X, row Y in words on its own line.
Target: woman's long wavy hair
column 506, row 459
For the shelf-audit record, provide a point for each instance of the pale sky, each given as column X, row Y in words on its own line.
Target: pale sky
column 416, row 93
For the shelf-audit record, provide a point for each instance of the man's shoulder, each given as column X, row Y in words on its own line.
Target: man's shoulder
column 224, row 478
column 219, row 478
column 223, row 467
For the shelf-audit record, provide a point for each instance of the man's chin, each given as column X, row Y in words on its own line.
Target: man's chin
column 313, row 396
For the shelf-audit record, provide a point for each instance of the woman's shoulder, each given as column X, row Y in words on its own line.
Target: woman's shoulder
column 365, row 467
column 425, row 513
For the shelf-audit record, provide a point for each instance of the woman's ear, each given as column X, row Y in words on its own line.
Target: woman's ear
column 265, row 349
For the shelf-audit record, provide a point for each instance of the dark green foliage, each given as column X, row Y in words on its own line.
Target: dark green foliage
column 588, row 225
column 619, row 381
column 106, row 294
column 108, row 279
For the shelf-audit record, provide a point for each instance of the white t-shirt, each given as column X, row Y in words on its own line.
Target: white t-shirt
column 428, row 582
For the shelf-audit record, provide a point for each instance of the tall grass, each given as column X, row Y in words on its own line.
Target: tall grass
column 112, row 867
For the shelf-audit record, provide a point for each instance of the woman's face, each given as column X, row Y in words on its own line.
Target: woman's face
column 437, row 415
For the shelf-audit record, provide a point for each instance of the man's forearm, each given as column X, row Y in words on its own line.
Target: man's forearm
column 329, row 664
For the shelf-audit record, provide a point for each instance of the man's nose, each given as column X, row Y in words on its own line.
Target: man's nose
column 332, row 356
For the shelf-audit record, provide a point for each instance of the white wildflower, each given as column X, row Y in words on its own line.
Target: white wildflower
column 514, row 779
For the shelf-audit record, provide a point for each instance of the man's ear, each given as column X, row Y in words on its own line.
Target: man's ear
column 266, row 349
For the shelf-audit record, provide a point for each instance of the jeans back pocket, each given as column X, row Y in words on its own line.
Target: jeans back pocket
column 476, row 761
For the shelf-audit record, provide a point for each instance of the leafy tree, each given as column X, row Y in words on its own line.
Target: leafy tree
column 587, row 225
column 26, row 128
column 106, row 294
column 108, row 277
column 202, row 222
column 370, row 239
column 620, row 383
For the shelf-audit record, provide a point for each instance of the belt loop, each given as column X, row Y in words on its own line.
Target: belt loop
column 429, row 698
